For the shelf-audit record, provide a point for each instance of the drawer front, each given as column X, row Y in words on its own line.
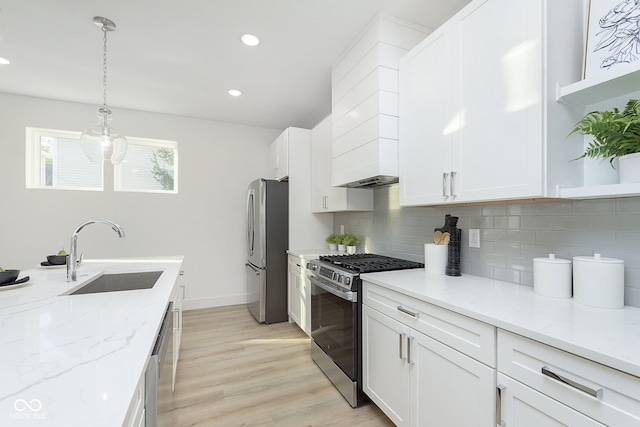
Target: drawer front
column 468, row 336
column 602, row 393
column 295, row 260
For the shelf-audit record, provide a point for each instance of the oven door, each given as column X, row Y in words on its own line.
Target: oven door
column 334, row 324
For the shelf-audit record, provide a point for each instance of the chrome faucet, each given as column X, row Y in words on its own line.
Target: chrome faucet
column 73, row 261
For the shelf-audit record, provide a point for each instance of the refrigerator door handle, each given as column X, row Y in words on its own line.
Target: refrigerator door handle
column 250, row 222
column 255, row 270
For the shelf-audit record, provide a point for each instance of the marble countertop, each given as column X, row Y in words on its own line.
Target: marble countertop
column 312, row 253
column 610, row 337
column 72, row 360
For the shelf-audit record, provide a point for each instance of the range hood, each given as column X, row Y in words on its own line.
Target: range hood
column 373, row 182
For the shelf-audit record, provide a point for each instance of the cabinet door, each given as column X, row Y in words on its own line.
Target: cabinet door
column 178, row 298
column 279, row 157
column 384, row 364
column 426, row 120
column 293, row 294
column 305, row 302
column 521, row 406
column 498, row 149
column 447, row 387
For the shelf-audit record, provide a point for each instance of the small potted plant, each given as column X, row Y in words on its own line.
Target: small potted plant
column 333, row 239
column 351, row 241
column 615, row 135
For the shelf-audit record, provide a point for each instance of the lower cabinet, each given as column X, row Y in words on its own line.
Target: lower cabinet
column 417, row 380
column 136, row 413
column 298, row 296
column 546, row 386
column 177, row 298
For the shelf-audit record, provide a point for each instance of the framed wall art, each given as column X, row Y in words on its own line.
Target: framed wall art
column 613, row 36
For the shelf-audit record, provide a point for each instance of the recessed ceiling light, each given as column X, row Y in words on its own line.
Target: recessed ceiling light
column 4, row 61
column 250, row 40
column 235, row 92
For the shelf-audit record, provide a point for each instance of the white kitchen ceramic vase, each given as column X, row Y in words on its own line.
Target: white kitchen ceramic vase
column 598, row 281
column 341, row 248
column 435, row 258
column 351, row 249
column 629, row 168
column 333, row 246
column 552, row 277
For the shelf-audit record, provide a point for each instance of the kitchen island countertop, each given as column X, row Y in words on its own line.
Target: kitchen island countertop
column 609, row 337
column 76, row 360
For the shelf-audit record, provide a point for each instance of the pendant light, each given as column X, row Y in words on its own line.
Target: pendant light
column 102, row 143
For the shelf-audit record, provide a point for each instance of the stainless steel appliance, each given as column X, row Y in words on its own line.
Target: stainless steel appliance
column 336, row 316
column 267, row 241
column 159, row 376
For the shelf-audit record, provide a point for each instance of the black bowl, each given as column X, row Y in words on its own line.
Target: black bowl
column 8, row 276
column 57, row 259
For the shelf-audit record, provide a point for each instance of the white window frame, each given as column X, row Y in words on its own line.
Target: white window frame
column 147, row 142
column 35, row 166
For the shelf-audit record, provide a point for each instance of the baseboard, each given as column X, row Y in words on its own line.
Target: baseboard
column 194, row 304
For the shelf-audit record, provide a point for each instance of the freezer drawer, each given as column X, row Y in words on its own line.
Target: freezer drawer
column 256, row 291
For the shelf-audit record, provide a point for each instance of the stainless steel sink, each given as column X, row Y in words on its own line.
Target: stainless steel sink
column 119, row 282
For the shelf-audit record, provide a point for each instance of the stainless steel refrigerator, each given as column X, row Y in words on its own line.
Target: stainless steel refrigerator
column 267, row 240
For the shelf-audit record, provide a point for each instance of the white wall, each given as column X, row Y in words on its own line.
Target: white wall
column 205, row 221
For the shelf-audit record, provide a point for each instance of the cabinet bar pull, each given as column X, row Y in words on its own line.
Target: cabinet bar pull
column 445, row 175
column 410, row 313
column 452, row 184
column 499, row 390
column 409, row 342
column 400, row 342
column 583, row 388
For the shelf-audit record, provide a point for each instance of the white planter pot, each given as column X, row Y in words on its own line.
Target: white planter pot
column 341, row 248
column 333, row 246
column 351, row 249
column 629, row 168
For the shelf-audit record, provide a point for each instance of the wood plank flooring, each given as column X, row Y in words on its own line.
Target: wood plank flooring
column 235, row 372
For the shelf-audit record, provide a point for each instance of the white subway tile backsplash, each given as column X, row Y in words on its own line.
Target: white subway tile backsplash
column 511, row 234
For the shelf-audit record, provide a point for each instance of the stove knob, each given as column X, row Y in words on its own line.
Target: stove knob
column 340, row 279
column 312, row 267
column 334, row 276
column 347, row 281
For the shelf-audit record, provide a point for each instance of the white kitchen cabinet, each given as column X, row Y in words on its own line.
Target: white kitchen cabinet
column 177, row 298
column 325, row 197
column 522, row 406
column 136, row 413
column 279, row 157
column 417, row 380
column 575, row 388
column 299, row 291
column 478, row 117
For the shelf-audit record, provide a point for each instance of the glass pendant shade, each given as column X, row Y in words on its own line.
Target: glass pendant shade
column 102, row 143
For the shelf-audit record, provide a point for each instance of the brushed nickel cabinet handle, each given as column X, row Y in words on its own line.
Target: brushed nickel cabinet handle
column 409, row 312
column 583, row 388
column 452, row 192
column 401, row 337
column 499, row 390
column 409, row 342
column 445, row 175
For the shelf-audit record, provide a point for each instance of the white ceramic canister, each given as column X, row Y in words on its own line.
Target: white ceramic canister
column 435, row 258
column 598, row 281
column 552, row 277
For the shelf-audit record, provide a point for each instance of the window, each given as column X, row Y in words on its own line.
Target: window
column 55, row 160
column 150, row 165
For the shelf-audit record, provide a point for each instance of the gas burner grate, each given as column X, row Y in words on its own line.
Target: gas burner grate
column 369, row 263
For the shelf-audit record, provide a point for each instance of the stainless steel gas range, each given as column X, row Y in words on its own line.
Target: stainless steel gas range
column 336, row 316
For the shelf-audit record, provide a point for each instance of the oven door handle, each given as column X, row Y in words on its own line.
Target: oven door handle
column 348, row 295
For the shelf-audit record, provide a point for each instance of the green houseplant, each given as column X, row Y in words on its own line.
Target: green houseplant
column 334, row 240
column 615, row 134
column 350, row 241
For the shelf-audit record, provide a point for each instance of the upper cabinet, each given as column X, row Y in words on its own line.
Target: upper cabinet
column 478, row 116
column 325, row 197
column 365, row 103
column 279, row 157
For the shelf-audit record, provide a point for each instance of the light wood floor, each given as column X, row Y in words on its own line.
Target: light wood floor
column 235, row 372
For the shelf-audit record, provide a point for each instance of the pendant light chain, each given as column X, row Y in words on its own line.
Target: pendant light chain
column 104, row 66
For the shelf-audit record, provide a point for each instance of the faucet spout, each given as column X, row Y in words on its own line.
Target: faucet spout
column 73, row 261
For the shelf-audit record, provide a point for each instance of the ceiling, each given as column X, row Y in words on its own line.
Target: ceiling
column 182, row 56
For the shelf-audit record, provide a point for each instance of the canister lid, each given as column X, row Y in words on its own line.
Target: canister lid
column 597, row 258
column 552, row 260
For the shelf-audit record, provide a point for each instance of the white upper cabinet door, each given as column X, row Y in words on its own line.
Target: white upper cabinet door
column 498, row 58
column 279, row 157
column 478, row 116
column 426, row 120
